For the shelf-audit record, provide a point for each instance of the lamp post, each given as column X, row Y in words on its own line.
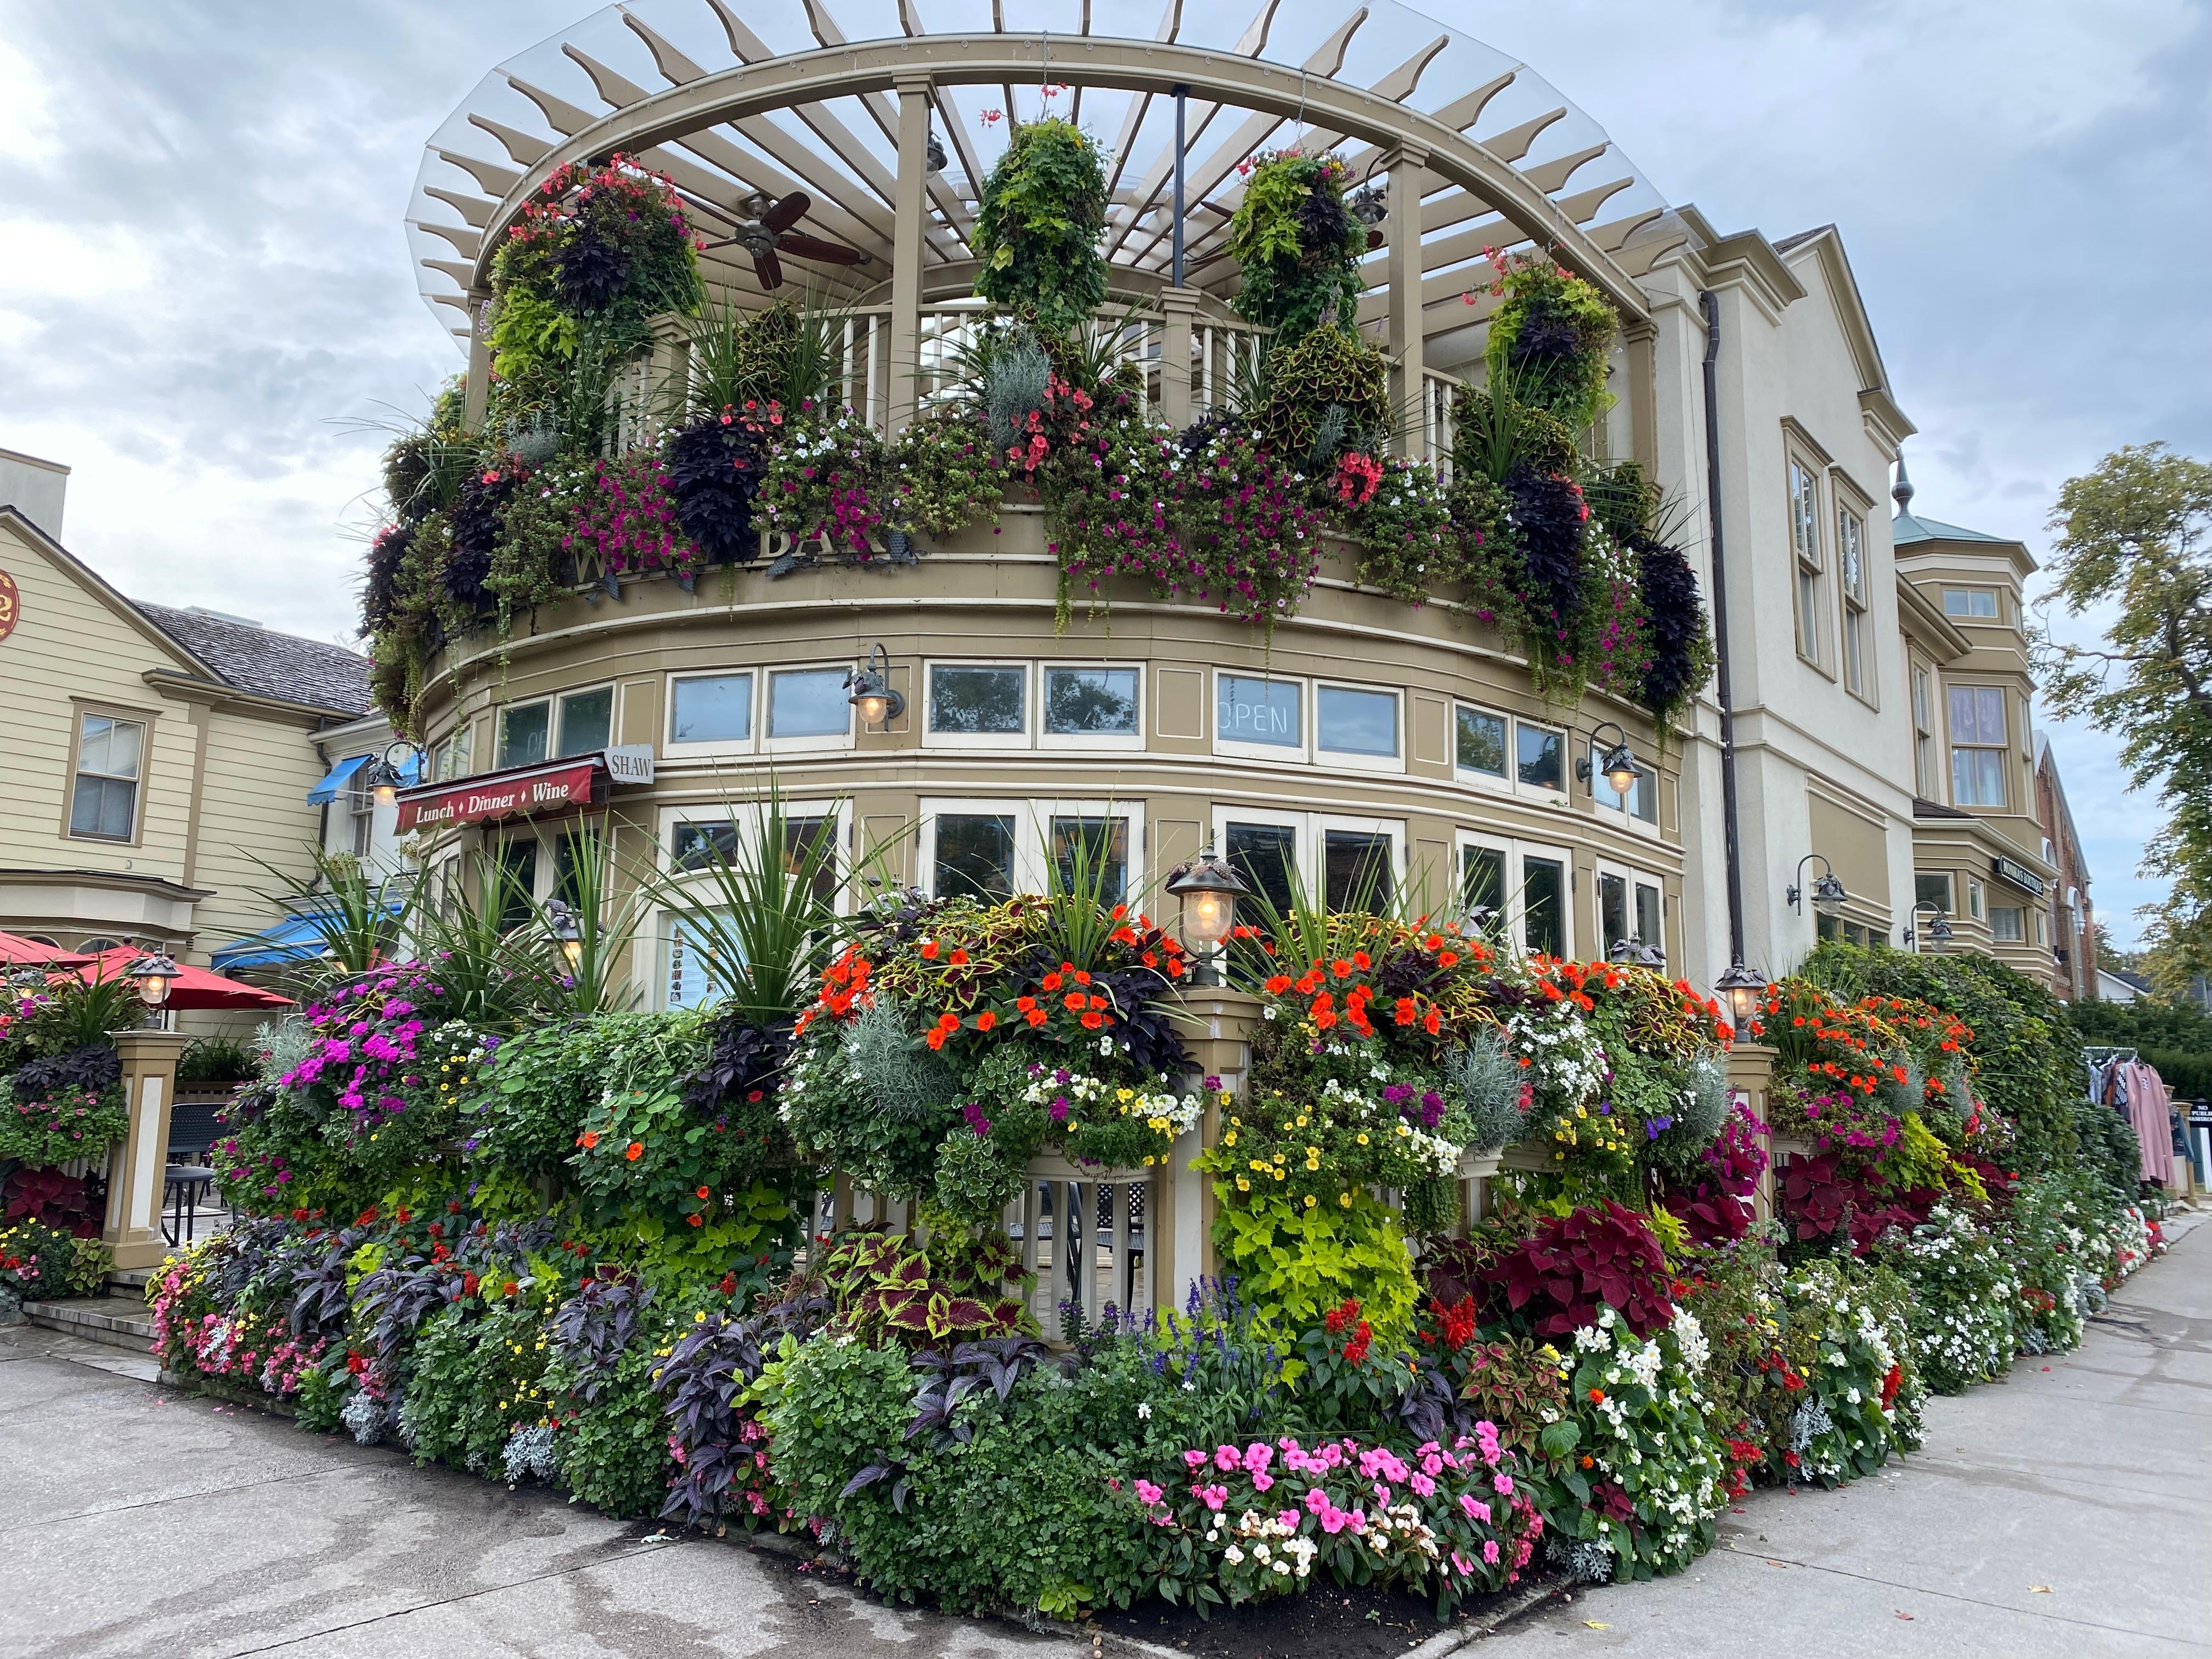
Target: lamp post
column 154, row 972
column 561, row 915
column 1207, row 889
column 1619, row 766
column 1828, row 894
column 1939, row 930
column 1745, row 989
column 872, row 693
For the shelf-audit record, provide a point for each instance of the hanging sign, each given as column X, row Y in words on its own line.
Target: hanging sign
column 2018, row 874
column 11, row 604
column 632, row 762
column 521, row 792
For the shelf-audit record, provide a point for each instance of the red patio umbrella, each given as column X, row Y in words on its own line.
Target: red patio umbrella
column 193, row 988
column 15, row 949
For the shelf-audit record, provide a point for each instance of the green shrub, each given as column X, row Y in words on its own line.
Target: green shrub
column 612, row 1452
column 1037, row 226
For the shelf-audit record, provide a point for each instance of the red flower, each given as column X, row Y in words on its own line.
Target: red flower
column 635, row 1151
column 986, row 1020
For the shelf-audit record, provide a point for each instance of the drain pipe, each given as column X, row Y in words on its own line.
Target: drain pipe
column 1743, row 986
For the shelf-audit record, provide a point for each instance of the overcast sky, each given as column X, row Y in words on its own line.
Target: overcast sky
column 204, row 286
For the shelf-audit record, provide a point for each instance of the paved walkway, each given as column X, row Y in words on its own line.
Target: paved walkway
column 2067, row 1512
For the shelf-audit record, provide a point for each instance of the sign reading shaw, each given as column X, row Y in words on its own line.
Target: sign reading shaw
column 521, row 792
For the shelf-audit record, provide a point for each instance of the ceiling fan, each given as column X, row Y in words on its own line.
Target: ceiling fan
column 767, row 230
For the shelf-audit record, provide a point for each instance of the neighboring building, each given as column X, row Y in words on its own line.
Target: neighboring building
column 1979, row 844
column 157, row 757
column 2073, row 917
column 2118, row 985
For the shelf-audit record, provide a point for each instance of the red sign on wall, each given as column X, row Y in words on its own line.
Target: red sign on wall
column 11, row 604
column 521, row 792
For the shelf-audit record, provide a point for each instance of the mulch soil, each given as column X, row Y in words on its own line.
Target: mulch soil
column 1326, row 1619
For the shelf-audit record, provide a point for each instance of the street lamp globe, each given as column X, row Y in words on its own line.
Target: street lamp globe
column 1208, row 890
column 153, row 973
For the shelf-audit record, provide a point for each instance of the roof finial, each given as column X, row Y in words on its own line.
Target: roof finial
column 1902, row 494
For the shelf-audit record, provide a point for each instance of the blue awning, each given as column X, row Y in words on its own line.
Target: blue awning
column 335, row 779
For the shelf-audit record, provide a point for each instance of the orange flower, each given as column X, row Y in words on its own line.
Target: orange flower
column 1597, row 1396
column 929, row 948
column 1433, row 1023
column 694, row 1220
column 1094, row 1019
column 702, row 1192
column 1034, row 1016
column 1051, row 981
column 1405, row 1013
column 1446, row 958
column 948, row 1021
column 588, row 1139
column 635, row 1151
column 1342, row 968
column 986, row 1020
column 1277, row 983
column 936, row 1037
column 1074, row 1000
column 959, row 958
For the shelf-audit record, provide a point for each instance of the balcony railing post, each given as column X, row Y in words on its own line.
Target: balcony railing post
column 478, row 390
column 1407, row 166
column 911, row 206
column 1178, row 306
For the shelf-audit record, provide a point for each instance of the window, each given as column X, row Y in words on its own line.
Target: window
column 361, row 811
column 1974, row 898
column 1851, row 569
column 1092, row 703
column 587, row 719
column 1541, row 765
column 808, row 703
column 1650, row 924
column 1932, row 887
column 1641, row 802
column 515, row 870
column 1347, row 721
column 2005, row 925
column 1481, row 742
column 1805, row 541
column 1356, row 869
column 1544, row 906
column 711, row 709
column 1923, row 736
column 1091, row 855
column 1482, row 879
column 696, row 846
column 695, row 843
column 110, row 753
column 971, row 701
column 525, row 733
column 1978, row 603
column 1612, row 910
column 1978, row 745
column 975, row 855
column 808, row 837
column 1266, row 712
column 1851, row 932
column 1266, row 857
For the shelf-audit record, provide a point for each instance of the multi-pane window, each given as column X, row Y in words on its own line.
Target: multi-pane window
column 978, row 700
column 1628, row 909
column 1267, row 713
column 1923, row 736
column 1805, row 543
column 2005, row 925
column 587, row 719
column 1978, row 745
column 1481, row 742
column 1542, row 764
column 1091, row 855
column 110, row 753
column 1975, row 603
column 360, row 812
column 515, row 870
column 1544, row 905
column 577, row 723
column 1090, row 702
column 1932, row 887
column 525, row 733
column 1482, row 877
column 1356, row 869
column 1351, row 722
column 1641, row 800
column 1851, row 569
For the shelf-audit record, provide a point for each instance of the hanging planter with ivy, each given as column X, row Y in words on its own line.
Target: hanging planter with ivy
column 1038, row 225
column 1299, row 246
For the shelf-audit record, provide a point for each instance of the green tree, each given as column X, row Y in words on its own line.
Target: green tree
column 2135, row 544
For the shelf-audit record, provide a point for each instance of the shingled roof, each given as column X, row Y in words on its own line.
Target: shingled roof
column 269, row 663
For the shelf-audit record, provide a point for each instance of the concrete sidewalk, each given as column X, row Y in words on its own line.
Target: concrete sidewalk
column 2066, row 1511
column 135, row 1520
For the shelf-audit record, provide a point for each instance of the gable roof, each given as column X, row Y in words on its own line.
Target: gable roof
column 93, row 583
column 269, row 664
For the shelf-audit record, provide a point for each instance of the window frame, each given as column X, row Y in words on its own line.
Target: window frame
column 1001, row 741
column 83, row 710
column 1513, row 898
column 1541, row 791
column 1809, row 564
column 1856, row 655
column 1545, row 853
column 2001, row 748
column 1044, row 810
column 1297, row 754
column 1392, row 829
column 1505, row 780
column 1995, row 613
column 556, row 736
column 506, row 711
column 707, row 748
column 2019, row 913
column 1355, row 759
column 816, row 742
column 1921, row 689
column 1304, row 839
column 1027, row 874
column 1617, row 810
column 1094, row 741
column 1949, row 879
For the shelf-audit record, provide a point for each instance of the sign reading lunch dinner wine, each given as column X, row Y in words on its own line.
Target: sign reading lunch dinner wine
column 513, row 795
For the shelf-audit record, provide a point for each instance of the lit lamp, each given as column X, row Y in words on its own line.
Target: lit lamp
column 1207, row 888
column 1745, row 989
column 1828, row 894
column 154, row 973
column 872, row 691
column 1618, row 766
column 567, row 933
column 1938, row 930
column 384, row 779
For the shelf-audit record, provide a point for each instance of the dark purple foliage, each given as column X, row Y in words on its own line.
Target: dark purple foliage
column 479, row 512
column 91, row 1069
column 1558, row 1278
column 742, row 1069
column 701, row 1379
column 589, row 273
column 1548, row 515
column 593, row 1326
column 1670, row 600
column 380, row 593
column 714, row 468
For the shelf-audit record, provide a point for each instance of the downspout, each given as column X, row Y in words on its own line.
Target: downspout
column 1738, row 974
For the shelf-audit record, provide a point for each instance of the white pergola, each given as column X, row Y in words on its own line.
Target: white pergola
column 1476, row 152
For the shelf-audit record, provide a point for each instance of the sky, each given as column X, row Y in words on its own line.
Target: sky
column 206, row 304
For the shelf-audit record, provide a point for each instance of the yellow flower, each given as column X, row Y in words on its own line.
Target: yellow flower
column 1345, row 1199
column 1362, row 1137
column 1243, row 1183
column 1311, row 1200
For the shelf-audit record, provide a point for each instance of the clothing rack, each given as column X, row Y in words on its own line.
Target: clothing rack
column 2100, row 1056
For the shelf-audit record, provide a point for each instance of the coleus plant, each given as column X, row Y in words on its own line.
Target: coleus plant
column 882, row 1283
column 1558, row 1277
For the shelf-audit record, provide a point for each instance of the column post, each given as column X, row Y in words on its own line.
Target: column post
column 476, row 392
column 1408, row 166
column 1178, row 306
column 1640, row 340
column 910, row 204
column 137, row 1170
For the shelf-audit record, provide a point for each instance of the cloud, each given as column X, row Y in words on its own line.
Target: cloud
column 203, row 271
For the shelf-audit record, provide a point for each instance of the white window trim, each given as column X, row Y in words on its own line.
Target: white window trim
column 1504, row 784
column 1132, row 812
column 1122, row 741
column 1503, row 845
column 1351, row 758
column 1029, row 860
column 814, row 743
column 999, row 741
column 712, row 748
column 559, row 699
column 1538, row 791
column 1304, row 842
column 1283, row 754
column 1563, row 857
column 1615, row 810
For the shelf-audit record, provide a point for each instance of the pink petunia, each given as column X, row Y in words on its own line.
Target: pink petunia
column 1148, row 1493
column 1213, row 1497
column 1490, row 1551
column 1502, row 1484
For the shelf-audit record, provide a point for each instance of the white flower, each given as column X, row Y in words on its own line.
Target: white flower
column 1144, row 1409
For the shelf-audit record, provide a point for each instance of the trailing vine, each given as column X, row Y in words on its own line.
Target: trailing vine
column 1038, row 222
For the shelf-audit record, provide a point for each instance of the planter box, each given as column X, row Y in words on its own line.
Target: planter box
column 1054, row 1166
column 1479, row 1166
column 1525, row 1157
